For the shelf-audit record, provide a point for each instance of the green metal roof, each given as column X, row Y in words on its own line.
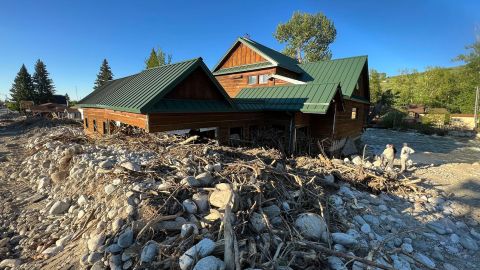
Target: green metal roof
column 307, row 98
column 193, row 106
column 142, row 92
column 274, row 57
column 346, row 71
column 243, row 68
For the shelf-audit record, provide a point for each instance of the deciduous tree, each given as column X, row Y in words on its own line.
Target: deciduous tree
column 308, row 36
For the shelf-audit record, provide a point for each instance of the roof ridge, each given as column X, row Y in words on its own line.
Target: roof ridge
column 331, row 60
column 184, row 61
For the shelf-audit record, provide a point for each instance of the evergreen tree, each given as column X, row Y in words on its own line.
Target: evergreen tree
column 103, row 76
column 157, row 58
column 152, row 60
column 43, row 85
column 22, row 88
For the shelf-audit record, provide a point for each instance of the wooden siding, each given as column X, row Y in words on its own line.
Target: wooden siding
column 197, row 86
column 233, row 83
column 104, row 115
column 241, row 55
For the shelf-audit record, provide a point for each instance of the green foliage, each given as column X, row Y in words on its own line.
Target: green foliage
column 392, row 119
column 104, row 75
column 376, row 79
column 308, row 36
column 13, row 106
column 43, row 85
column 22, row 88
column 157, row 58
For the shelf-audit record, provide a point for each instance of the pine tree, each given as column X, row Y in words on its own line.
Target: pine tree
column 43, row 85
column 104, row 75
column 22, row 87
column 157, row 58
column 152, row 60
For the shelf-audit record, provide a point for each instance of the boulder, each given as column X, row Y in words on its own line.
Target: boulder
column 126, row 238
column 311, row 226
column 149, row 251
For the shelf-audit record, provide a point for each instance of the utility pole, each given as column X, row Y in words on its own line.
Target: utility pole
column 475, row 118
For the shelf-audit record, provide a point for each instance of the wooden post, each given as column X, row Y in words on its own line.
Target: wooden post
column 475, row 118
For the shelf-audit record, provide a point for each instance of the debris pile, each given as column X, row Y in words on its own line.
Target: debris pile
column 159, row 201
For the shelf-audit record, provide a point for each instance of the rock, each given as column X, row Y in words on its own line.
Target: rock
column 12, row 263
column 257, row 221
column 220, row 198
column 454, row 238
column 109, row 189
column 58, row 177
column 437, row 227
column 336, row 200
column 217, row 167
column 210, row 263
column 366, row 228
column 82, row 200
column 426, row 261
column 359, row 220
column 311, row 226
column 448, row 266
column 190, row 206
column 59, row 208
column 131, row 166
column 106, row 164
column 201, row 200
column 94, row 257
column 407, row 248
column 272, row 211
column 116, row 181
column 205, row 178
column 43, row 183
column 126, row 238
column 468, row 243
column 357, row 160
column 202, row 249
column 475, row 234
column 399, row 263
column 63, row 241
column 328, row 179
column 336, row 263
column 346, row 191
column 117, row 224
column 52, row 251
column 191, row 182
column 149, row 251
column 344, row 239
column 188, row 229
column 98, row 266
column 113, row 248
column 371, row 219
column 95, row 242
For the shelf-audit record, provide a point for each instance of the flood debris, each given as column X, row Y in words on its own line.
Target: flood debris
column 161, row 201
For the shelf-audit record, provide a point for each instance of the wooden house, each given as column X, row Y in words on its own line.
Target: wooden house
column 252, row 88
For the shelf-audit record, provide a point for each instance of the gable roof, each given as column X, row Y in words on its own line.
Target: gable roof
column 273, row 57
column 345, row 71
column 142, row 92
column 307, row 98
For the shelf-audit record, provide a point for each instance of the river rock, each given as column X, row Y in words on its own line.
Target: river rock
column 188, row 229
column 109, row 189
column 366, row 228
column 357, row 160
column 190, row 206
column 468, row 243
column 95, row 242
column 437, row 227
column 113, row 248
column 344, row 239
column 336, row 263
column 448, row 266
column 257, row 221
column 191, row 182
column 210, row 263
column 425, row 260
column 311, row 226
column 126, row 238
column 399, row 263
column 205, row 178
column 52, row 251
column 201, row 200
column 58, row 177
column 272, row 211
column 149, row 251
column 12, row 263
column 131, row 166
column 202, row 249
column 94, row 257
column 59, row 208
column 82, row 200
column 106, row 164
column 407, row 248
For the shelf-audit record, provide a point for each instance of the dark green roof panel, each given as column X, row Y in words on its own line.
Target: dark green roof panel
column 346, row 71
column 142, row 92
column 307, row 98
column 243, row 68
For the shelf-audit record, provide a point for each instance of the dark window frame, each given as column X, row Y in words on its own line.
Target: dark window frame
column 86, row 122
column 94, row 125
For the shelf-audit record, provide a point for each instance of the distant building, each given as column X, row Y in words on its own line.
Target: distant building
column 53, row 110
column 463, row 121
column 415, row 111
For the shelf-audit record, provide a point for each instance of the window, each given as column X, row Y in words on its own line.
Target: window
column 263, row 79
column 252, row 79
column 86, row 122
column 354, row 113
column 105, row 131
column 94, row 125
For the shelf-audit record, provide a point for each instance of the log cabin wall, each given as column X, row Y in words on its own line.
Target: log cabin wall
column 104, row 116
column 233, row 83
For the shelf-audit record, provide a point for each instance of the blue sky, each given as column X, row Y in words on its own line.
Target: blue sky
column 73, row 37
